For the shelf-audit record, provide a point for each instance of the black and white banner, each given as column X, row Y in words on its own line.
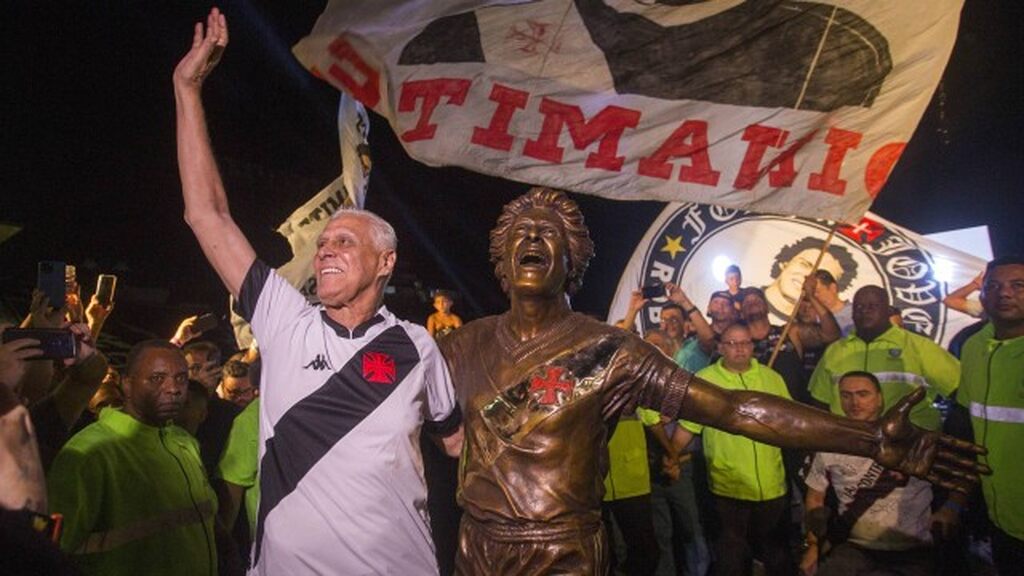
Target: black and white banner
column 692, row 244
column 773, row 106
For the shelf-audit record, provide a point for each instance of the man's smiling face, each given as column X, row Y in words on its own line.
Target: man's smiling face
column 347, row 261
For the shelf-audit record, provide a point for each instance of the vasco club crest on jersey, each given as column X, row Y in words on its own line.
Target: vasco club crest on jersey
column 378, row 368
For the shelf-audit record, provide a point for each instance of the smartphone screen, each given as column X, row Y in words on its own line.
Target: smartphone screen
column 56, row 343
column 51, row 281
column 105, row 286
column 205, row 323
column 652, row 291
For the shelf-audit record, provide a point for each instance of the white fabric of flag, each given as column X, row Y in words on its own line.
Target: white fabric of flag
column 692, row 244
column 785, row 107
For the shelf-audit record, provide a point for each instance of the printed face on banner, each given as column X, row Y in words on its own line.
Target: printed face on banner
column 697, row 242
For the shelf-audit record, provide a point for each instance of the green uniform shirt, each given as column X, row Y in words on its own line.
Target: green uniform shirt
column 239, row 464
column 901, row 360
column 135, row 500
column 739, row 467
column 992, row 390
column 628, row 472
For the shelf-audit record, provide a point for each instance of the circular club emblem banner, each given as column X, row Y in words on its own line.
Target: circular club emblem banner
column 692, row 244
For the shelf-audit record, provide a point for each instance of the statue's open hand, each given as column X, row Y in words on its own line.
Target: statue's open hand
column 938, row 458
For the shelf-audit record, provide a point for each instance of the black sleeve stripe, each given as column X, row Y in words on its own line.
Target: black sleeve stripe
column 445, row 427
column 249, row 293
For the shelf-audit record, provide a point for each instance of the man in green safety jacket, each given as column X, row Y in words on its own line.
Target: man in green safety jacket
column 627, row 492
column 131, row 486
column 901, row 360
column 992, row 390
column 747, row 478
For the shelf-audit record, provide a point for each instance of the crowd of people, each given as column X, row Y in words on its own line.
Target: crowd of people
column 565, row 428
column 852, row 358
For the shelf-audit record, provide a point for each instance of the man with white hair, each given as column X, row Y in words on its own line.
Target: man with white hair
column 346, row 385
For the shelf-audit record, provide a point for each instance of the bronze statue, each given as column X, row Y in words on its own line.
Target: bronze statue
column 540, row 386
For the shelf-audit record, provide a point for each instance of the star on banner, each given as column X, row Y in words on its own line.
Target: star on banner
column 673, row 245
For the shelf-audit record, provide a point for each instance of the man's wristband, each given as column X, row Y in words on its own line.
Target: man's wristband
column 688, row 311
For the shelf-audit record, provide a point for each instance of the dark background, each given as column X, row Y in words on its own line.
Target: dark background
column 89, row 171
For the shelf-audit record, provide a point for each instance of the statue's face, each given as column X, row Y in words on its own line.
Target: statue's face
column 536, row 254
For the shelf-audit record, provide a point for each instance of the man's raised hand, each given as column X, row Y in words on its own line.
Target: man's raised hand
column 208, row 45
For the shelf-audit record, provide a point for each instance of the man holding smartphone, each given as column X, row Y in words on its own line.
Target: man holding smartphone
column 347, row 385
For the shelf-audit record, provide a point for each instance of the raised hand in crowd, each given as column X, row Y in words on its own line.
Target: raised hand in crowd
column 636, row 303
column 21, row 473
column 38, row 378
column 186, row 331
column 959, row 299
column 73, row 303
column 209, row 375
column 13, row 355
column 705, row 334
column 816, row 334
column 96, row 314
column 41, row 314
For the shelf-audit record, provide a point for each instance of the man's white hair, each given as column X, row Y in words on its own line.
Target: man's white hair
column 382, row 232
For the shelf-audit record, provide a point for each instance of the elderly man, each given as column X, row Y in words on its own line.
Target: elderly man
column 540, row 385
column 347, row 386
column 131, row 486
column 884, row 517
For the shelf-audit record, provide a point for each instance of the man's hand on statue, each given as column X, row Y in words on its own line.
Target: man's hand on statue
column 207, row 47
column 941, row 459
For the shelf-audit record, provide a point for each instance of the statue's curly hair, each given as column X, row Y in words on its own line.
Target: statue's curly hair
column 580, row 248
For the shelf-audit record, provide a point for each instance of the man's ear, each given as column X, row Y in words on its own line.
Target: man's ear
column 386, row 263
column 127, row 387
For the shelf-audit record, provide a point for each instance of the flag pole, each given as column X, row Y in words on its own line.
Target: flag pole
column 800, row 298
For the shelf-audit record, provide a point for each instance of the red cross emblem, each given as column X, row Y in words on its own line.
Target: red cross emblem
column 867, row 230
column 378, row 368
column 550, row 385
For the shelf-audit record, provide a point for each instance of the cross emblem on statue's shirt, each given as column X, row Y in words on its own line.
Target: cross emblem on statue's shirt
column 550, row 385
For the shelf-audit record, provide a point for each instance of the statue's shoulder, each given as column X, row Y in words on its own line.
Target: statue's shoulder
column 469, row 335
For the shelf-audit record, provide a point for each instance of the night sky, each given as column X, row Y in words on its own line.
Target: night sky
column 89, row 167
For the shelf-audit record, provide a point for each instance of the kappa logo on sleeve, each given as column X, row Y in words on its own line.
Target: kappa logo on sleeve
column 317, row 363
column 378, row 368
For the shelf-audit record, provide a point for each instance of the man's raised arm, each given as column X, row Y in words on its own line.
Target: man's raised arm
column 206, row 204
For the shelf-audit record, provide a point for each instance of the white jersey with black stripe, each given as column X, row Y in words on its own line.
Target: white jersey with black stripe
column 341, row 475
